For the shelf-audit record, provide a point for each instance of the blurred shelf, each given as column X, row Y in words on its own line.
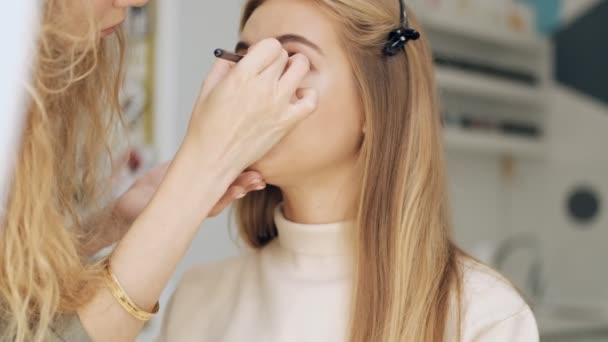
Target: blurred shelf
column 489, row 87
column 469, row 29
column 462, row 140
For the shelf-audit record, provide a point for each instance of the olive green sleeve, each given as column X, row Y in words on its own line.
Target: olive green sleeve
column 68, row 329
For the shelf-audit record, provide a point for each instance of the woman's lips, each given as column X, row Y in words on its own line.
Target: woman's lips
column 107, row 32
column 110, row 30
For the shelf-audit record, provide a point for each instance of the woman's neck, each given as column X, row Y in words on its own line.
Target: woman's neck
column 327, row 198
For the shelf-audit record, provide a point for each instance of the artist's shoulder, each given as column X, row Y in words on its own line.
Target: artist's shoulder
column 490, row 303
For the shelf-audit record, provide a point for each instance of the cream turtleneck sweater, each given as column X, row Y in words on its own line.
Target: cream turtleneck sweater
column 298, row 288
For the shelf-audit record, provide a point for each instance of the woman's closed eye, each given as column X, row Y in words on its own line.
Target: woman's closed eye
column 293, row 44
column 290, row 53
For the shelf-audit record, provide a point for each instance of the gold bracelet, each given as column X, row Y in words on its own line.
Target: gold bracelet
column 124, row 300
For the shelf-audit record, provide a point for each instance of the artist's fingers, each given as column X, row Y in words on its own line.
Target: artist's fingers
column 260, row 56
column 233, row 194
column 298, row 68
column 306, row 103
column 248, row 178
column 276, row 69
column 245, row 183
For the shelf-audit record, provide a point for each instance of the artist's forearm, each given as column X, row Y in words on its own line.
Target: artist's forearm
column 147, row 256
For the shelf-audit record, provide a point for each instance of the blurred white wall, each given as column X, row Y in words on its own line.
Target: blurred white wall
column 574, row 254
column 187, row 34
column 19, row 24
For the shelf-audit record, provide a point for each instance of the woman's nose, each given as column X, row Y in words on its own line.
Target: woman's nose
column 130, row 3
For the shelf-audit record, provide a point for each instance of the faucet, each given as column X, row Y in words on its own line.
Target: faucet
column 535, row 284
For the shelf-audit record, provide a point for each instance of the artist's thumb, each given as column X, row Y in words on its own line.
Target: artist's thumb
column 218, row 72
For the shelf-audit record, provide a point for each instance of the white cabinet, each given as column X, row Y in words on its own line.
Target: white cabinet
column 493, row 83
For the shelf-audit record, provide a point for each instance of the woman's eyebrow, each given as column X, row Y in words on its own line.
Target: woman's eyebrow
column 294, row 38
column 284, row 39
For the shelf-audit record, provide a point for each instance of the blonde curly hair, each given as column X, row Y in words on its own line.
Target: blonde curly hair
column 73, row 109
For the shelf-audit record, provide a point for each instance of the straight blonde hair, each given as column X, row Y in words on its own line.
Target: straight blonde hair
column 74, row 99
column 407, row 271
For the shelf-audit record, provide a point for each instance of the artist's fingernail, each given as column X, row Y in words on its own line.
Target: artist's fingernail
column 241, row 195
column 260, row 187
column 255, row 181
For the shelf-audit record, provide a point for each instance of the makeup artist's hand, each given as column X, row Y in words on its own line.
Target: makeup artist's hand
column 132, row 203
column 245, row 109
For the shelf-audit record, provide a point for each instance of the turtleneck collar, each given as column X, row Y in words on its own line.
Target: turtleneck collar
column 312, row 239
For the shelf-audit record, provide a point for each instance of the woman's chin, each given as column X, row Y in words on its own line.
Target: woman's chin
column 274, row 172
column 267, row 169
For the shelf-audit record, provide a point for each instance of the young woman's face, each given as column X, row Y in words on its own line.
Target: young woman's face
column 329, row 139
column 111, row 13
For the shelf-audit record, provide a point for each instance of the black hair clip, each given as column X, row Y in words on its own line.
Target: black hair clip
column 399, row 37
column 397, row 40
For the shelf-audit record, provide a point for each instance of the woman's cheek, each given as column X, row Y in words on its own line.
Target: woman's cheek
column 327, row 87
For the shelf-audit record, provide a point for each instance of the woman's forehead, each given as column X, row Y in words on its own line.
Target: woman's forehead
column 276, row 18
